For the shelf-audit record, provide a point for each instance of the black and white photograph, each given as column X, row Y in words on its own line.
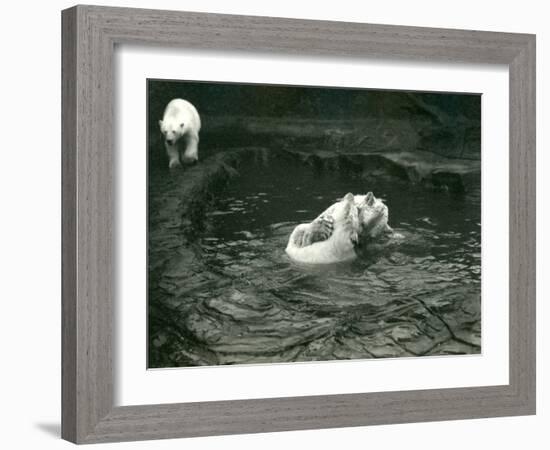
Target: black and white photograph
column 291, row 224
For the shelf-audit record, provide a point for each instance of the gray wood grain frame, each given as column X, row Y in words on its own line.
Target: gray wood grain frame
column 89, row 37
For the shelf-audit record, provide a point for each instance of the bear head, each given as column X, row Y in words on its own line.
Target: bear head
column 172, row 131
column 373, row 215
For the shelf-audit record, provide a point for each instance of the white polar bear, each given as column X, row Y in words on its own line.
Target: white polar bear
column 329, row 238
column 180, row 126
column 333, row 235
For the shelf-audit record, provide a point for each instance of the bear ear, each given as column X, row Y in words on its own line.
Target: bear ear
column 349, row 197
column 369, row 199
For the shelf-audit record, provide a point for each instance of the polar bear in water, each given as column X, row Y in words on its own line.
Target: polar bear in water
column 180, row 126
column 332, row 236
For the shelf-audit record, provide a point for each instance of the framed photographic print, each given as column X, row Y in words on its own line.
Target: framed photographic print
column 278, row 224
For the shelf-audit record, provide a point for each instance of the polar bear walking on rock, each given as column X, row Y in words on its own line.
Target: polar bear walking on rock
column 180, row 127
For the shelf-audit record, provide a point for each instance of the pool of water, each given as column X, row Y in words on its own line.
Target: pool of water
column 234, row 296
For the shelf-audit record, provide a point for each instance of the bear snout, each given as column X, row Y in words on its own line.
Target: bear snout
column 170, row 141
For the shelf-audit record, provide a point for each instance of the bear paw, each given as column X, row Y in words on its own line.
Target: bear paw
column 319, row 230
column 174, row 163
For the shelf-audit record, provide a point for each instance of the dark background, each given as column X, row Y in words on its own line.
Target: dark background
column 320, row 118
column 221, row 99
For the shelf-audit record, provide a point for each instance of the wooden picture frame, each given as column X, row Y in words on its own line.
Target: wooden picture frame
column 90, row 34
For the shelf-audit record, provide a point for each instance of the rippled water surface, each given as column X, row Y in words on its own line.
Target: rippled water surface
column 233, row 296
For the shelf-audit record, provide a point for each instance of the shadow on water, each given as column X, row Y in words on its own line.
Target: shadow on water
column 231, row 295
